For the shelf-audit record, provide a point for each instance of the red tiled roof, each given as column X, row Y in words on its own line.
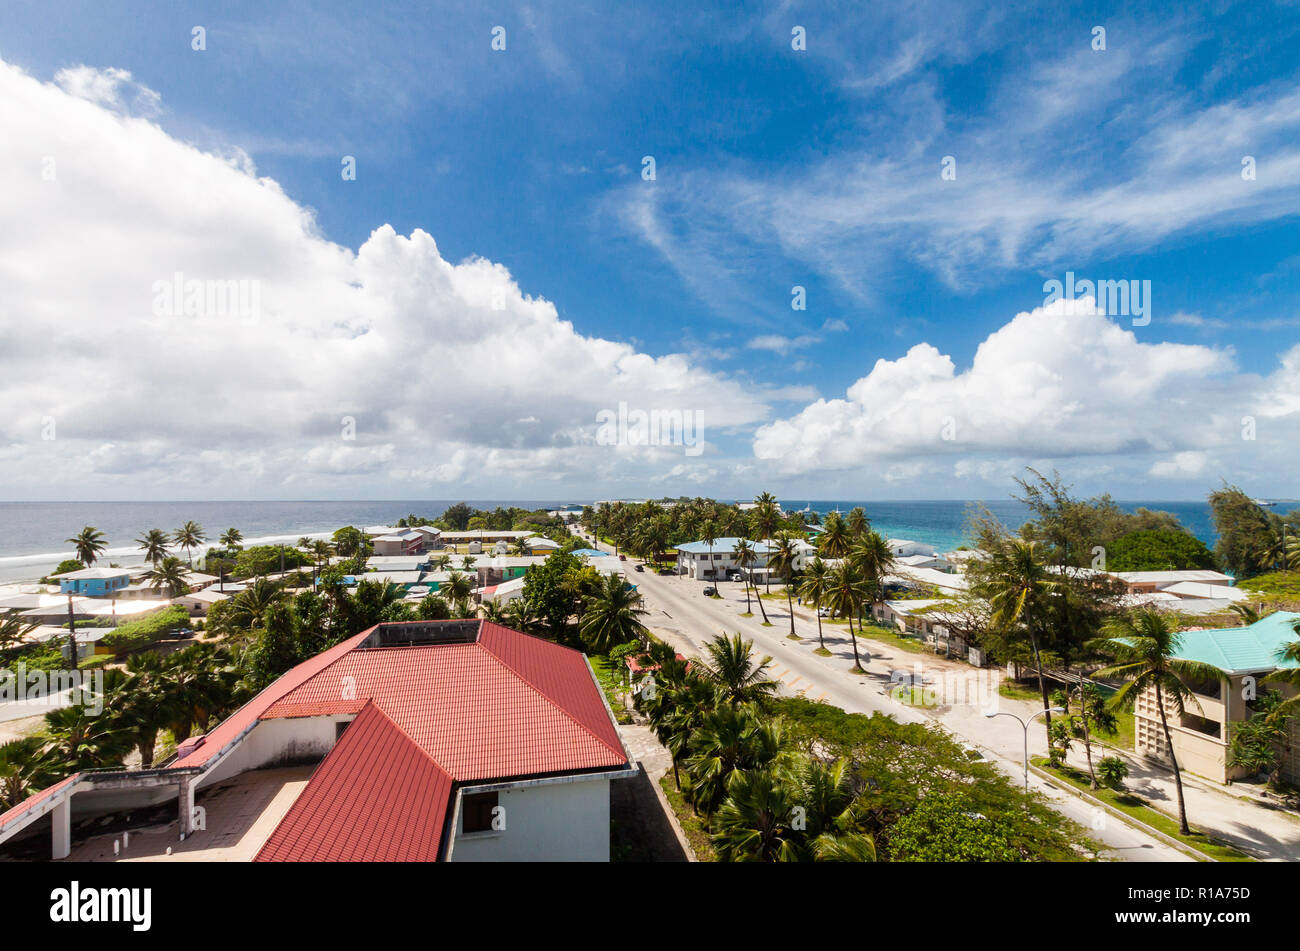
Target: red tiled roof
column 507, row 705
column 36, row 799
column 377, row 797
column 247, row 715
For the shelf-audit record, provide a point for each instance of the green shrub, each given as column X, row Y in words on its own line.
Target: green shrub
column 136, row 634
column 1112, row 771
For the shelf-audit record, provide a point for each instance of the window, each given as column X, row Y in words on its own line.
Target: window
column 476, row 812
column 339, row 728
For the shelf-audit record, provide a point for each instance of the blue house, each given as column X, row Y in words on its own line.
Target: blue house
column 93, row 582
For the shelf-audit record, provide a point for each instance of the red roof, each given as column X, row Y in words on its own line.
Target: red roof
column 507, row 705
column 502, row 706
column 377, row 797
column 247, row 716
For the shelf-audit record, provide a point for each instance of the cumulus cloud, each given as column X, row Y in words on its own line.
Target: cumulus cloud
column 174, row 322
column 1059, row 382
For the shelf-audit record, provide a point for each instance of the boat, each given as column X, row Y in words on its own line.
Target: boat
column 1263, row 502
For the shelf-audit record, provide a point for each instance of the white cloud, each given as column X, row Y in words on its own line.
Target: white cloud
column 449, row 372
column 1055, row 383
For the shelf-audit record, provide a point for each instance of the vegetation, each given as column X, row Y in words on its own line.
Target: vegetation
column 134, row 635
column 1158, row 550
column 792, row 780
column 89, row 544
column 1144, row 644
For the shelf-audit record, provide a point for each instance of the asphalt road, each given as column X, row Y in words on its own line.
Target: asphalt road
column 682, row 615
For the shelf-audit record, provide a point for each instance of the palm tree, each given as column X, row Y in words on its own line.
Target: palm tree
column 745, row 557
column 143, row 704
column 833, row 542
column 874, row 558
column 169, row 575
column 613, row 616
column 456, row 589
column 14, row 630
column 154, row 545
column 710, row 536
column 189, row 536
column 89, row 544
column 730, row 667
column 1146, row 646
column 1248, row 613
column 1288, row 654
column 23, row 770
column 782, row 559
column 440, row 562
column 729, row 738
column 848, row 590
column 249, row 607
column 232, row 538
column 814, row 589
column 1017, row 588
column 857, row 522
column 766, row 515
column 81, row 739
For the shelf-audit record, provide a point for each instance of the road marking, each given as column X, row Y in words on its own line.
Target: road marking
column 791, row 683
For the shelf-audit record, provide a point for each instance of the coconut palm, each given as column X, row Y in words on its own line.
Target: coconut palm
column 189, row 536
column 78, row 738
column 1146, row 647
column 746, row 558
column 833, row 542
column 170, row 575
column 612, row 616
column 766, row 515
column 154, row 545
column 730, row 737
column 814, row 589
column 14, row 630
column 782, row 559
column 1017, row 588
column 249, row 607
column 874, row 558
column 456, row 589
column 857, row 523
column 1248, row 613
column 143, row 704
column 89, row 545
column 847, row 592
column 23, row 770
column 730, row 667
column 709, row 534
column 232, row 538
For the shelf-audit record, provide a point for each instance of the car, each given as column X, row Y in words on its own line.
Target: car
column 622, row 557
column 710, row 592
column 640, row 568
column 823, row 612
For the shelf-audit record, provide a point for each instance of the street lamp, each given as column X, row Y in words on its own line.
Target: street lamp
column 1024, row 725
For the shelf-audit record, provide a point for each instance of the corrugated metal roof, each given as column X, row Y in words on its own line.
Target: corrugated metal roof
column 377, row 797
column 1242, row 649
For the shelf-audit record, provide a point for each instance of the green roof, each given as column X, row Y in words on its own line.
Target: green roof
column 1242, row 649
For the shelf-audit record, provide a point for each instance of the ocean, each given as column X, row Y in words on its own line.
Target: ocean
column 33, row 534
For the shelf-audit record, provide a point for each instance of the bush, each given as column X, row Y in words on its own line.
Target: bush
column 137, row 634
column 1112, row 771
column 68, row 564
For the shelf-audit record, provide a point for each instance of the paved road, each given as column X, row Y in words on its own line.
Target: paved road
column 681, row 614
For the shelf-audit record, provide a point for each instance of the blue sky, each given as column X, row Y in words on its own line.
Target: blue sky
column 774, row 168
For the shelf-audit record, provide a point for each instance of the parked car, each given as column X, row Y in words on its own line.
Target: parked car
column 640, row 567
column 710, row 592
column 622, row 557
column 823, row 612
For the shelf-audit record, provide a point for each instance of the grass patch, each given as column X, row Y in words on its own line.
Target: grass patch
column 914, row 695
column 746, row 613
column 695, row 827
column 1018, row 691
column 793, row 637
column 1140, row 809
column 612, row 683
column 822, row 652
column 1274, row 586
column 892, row 638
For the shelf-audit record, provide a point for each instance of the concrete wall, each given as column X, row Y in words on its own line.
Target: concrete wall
column 279, row 742
column 559, row 822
